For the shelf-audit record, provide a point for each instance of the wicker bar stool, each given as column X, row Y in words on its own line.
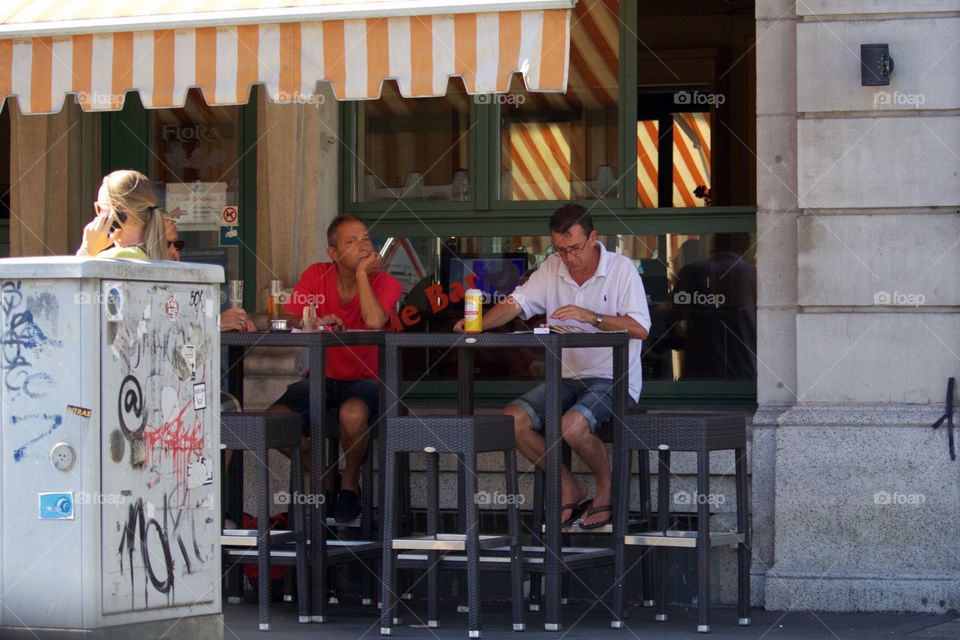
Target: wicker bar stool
column 365, row 524
column 466, row 436
column 605, row 433
column 259, row 432
column 700, row 433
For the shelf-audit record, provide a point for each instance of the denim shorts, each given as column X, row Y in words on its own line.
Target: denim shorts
column 590, row 397
column 297, row 397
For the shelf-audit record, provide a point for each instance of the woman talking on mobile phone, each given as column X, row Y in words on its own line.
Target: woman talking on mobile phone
column 128, row 223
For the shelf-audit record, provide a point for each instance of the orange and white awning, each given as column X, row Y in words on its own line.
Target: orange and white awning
column 101, row 50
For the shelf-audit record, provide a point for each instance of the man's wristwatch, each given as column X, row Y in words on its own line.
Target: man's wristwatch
column 599, row 320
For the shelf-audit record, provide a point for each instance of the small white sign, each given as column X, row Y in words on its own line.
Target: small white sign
column 197, row 205
column 189, row 353
column 199, row 396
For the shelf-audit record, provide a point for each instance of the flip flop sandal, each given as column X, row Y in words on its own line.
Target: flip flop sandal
column 595, row 510
column 576, row 510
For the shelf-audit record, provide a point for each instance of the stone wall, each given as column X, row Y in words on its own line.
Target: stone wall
column 859, row 250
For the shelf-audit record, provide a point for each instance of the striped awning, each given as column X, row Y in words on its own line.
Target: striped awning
column 99, row 50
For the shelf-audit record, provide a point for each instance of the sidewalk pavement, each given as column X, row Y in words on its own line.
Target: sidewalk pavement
column 581, row 622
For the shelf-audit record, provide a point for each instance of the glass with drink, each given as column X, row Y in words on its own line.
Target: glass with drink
column 236, row 294
column 273, row 303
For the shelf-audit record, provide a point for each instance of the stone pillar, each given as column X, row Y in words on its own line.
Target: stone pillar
column 776, row 262
column 866, row 497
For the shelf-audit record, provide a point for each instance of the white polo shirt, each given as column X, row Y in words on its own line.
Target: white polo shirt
column 615, row 290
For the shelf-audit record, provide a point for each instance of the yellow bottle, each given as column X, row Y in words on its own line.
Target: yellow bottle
column 473, row 311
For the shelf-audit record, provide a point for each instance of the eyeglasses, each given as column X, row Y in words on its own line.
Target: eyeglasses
column 569, row 251
column 176, row 244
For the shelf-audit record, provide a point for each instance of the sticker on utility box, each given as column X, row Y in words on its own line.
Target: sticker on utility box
column 172, row 308
column 79, row 411
column 56, row 505
column 199, row 396
column 113, row 301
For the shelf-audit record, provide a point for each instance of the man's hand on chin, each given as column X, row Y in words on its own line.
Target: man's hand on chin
column 370, row 265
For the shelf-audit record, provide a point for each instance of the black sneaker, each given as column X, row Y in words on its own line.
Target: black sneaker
column 348, row 506
column 330, row 495
column 330, row 499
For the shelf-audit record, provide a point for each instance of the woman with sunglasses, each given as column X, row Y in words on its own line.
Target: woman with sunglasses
column 230, row 319
column 128, row 223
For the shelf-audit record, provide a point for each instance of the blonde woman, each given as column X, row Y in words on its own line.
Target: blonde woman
column 128, row 223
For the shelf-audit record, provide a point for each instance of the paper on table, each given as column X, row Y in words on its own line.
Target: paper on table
column 566, row 328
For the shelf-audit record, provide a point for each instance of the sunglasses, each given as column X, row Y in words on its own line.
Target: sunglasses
column 177, row 244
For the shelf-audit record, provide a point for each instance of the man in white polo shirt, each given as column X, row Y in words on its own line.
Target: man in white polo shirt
column 585, row 286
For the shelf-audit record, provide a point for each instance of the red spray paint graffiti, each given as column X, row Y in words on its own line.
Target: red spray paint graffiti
column 181, row 442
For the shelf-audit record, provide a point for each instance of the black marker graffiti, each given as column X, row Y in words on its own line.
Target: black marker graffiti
column 138, row 528
column 130, row 408
column 196, row 300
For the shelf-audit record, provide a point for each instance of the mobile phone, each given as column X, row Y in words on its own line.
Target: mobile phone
column 120, row 219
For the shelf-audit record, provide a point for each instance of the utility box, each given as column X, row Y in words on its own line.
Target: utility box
column 109, row 449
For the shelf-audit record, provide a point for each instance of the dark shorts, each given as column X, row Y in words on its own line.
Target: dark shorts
column 590, row 397
column 297, row 397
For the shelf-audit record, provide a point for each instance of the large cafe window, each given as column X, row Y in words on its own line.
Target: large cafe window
column 659, row 148
column 701, row 291
column 193, row 155
column 194, row 165
column 565, row 146
column 414, row 150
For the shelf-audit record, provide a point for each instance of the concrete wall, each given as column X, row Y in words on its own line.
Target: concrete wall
column 859, row 248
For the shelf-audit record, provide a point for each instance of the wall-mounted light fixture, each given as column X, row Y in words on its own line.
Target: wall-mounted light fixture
column 876, row 65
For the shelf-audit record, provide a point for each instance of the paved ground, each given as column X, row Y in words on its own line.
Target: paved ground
column 580, row 622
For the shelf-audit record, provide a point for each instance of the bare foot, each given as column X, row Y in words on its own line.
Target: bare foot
column 569, row 498
column 596, row 516
column 600, row 510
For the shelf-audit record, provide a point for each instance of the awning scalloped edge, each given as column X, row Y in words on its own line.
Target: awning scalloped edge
column 355, row 56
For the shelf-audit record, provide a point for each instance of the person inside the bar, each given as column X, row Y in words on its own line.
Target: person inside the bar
column 587, row 287
column 349, row 292
column 128, row 223
column 230, row 319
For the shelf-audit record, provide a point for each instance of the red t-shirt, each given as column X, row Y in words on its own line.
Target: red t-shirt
column 318, row 286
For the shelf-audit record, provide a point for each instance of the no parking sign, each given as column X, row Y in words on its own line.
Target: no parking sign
column 230, row 226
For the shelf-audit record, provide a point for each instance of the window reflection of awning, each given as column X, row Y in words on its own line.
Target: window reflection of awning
column 556, row 155
column 691, row 159
column 100, row 51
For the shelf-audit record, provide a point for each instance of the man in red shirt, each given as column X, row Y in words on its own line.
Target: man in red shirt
column 351, row 292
